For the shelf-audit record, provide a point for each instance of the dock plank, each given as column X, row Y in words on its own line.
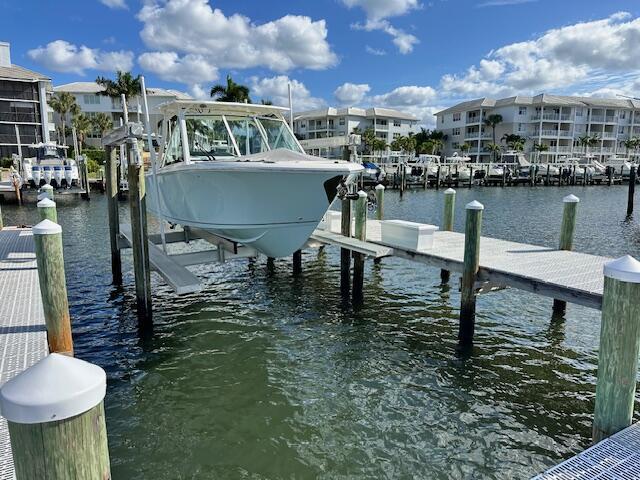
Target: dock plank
column 23, row 337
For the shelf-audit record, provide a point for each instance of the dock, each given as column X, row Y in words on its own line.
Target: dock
column 560, row 274
column 23, row 337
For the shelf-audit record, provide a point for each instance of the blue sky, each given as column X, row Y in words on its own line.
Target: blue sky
column 416, row 55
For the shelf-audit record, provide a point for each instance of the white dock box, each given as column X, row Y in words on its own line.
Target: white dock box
column 332, row 222
column 410, row 235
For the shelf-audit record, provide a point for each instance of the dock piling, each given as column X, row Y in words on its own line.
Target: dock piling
column 473, row 227
column 46, row 191
column 53, row 287
column 1, row 221
column 447, row 223
column 297, row 262
column 60, row 432
column 632, row 189
column 567, row 228
column 140, row 244
column 361, row 234
column 619, row 348
column 47, row 210
column 379, row 201
column 112, row 187
column 345, row 254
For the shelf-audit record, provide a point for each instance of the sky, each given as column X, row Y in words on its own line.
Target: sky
column 418, row 56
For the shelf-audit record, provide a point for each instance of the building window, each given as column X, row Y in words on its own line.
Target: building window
column 521, row 127
column 396, row 123
column 623, row 115
column 455, row 132
column 381, row 121
column 455, row 145
column 341, row 122
column 578, row 112
column 621, row 130
column 303, row 125
column 522, row 111
column 456, row 117
column 91, row 100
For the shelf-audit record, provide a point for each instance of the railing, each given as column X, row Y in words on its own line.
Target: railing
column 473, row 120
column 611, row 119
column 609, row 136
column 597, row 118
column 20, row 117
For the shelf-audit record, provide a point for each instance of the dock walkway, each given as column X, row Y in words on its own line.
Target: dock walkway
column 564, row 275
column 23, row 337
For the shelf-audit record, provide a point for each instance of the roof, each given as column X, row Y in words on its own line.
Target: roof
column 356, row 112
column 214, row 107
column 543, row 99
column 93, row 87
column 14, row 72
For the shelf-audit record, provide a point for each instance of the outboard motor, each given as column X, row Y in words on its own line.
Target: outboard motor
column 68, row 175
column 36, row 175
column 47, row 174
column 58, row 175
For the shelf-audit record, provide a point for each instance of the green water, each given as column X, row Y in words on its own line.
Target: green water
column 263, row 375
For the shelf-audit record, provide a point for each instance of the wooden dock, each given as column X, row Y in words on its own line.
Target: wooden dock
column 23, row 338
column 570, row 276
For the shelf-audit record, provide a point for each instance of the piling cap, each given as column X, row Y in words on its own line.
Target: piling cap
column 46, row 202
column 362, row 194
column 475, row 205
column 46, row 187
column 46, row 227
column 379, row 187
column 571, row 199
column 449, row 191
column 625, row 269
column 55, row 388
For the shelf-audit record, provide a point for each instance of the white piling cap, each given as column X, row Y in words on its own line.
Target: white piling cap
column 571, row 199
column 475, row 205
column 379, row 187
column 625, row 269
column 55, row 388
column 449, row 191
column 46, row 202
column 362, row 194
column 46, row 186
column 46, row 227
column 42, row 196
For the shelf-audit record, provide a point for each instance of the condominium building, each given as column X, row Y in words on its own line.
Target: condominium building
column 91, row 102
column 388, row 124
column 552, row 120
column 24, row 114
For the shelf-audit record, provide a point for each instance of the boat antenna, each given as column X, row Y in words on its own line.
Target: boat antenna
column 152, row 154
column 290, row 106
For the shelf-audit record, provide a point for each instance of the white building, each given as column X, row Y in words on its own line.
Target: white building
column 555, row 121
column 90, row 102
column 25, row 117
column 388, row 124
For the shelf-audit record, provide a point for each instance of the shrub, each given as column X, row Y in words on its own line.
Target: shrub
column 92, row 165
column 95, row 154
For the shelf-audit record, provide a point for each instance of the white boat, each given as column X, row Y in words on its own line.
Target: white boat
column 459, row 167
column 50, row 166
column 496, row 173
column 520, row 168
column 621, row 166
column 238, row 171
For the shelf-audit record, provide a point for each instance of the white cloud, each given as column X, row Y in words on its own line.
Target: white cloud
column 402, row 40
column 115, row 3
column 502, row 3
column 169, row 66
column 193, row 27
column 197, row 91
column 375, row 51
column 62, row 56
column 406, row 96
column 380, row 9
column 276, row 90
column 351, row 93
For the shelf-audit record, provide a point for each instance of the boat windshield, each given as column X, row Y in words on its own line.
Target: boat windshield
column 211, row 137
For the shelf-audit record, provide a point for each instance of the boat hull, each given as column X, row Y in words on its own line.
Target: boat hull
column 273, row 210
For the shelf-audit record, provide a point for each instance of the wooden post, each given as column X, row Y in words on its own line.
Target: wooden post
column 548, row 175
column 47, row 237
column 632, row 189
column 297, row 262
column 113, row 184
column 584, row 176
column 46, row 192
column 504, row 175
column 473, row 227
column 609, row 175
column 87, row 189
column 619, row 348
column 140, row 244
column 16, row 189
column 438, row 178
column 447, row 223
column 470, row 176
column 379, row 201
column 1, row 221
column 47, row 210
column 402, row 179
column 566, row 239
column 345, row 254
column 360, row 215
column 55, row 413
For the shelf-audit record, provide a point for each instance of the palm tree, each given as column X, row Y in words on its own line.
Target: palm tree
column 494, row 149
column 492, row 121
column 464, row 148
column 82, row 124
column 584, row 140
column 436, row 145
column 368, row 139
column 64, row 103
column 539, row 148
column 232, row 92
column 125, row 83
column 511, row 139
column 517, row 145
column 101, row 122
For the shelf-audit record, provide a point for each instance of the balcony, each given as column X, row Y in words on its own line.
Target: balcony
column 472, row 120
column 560, row 148
column 476, row 135
column 608, row 136
column 597, row 118
column 554, row 133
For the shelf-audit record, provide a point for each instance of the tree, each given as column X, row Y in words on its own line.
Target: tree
column 464, row 148
column 539, row 148
column 82, row 124
column 494, row 149
column 368, row 140
column 492, row 121
column 101, row 122
column 436, row 145
column 64, row 103
column 512, row 140
column 379, row 144
column 231, row 92
column 125, row 83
